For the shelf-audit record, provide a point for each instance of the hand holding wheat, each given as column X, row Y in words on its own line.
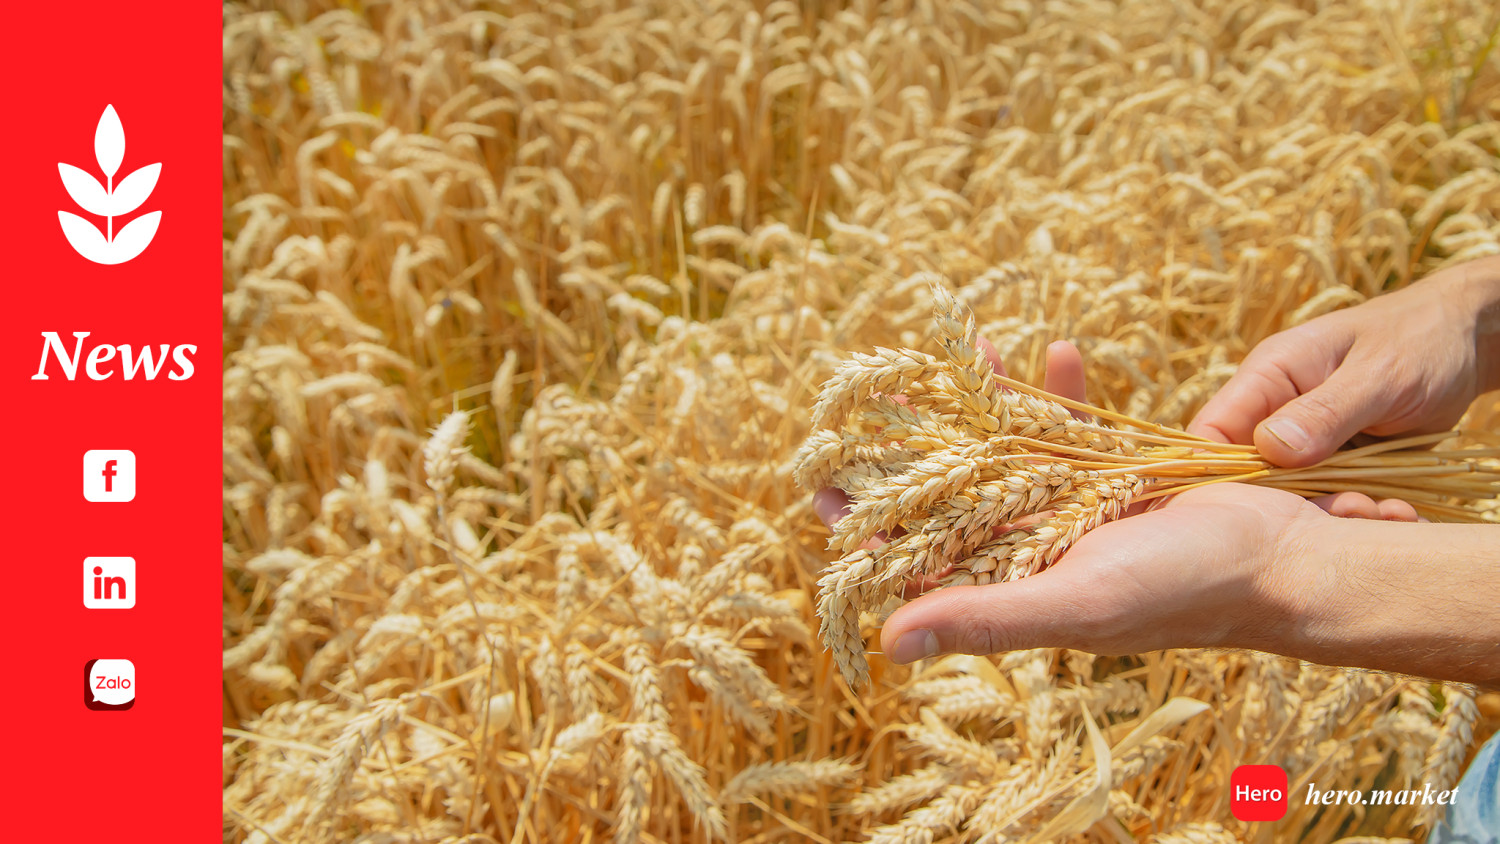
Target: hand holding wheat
column 969, row 451
column 1407, row 362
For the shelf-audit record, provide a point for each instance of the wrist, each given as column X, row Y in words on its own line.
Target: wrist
column 1297, row 593
column 1416, row 599
column 1317, row 605
column 1477, row 294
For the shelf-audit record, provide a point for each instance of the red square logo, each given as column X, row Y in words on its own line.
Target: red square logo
column 1258, row 792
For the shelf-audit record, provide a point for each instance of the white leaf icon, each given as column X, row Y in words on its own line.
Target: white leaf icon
column 88, row 240
column 109, row 142
column 109, row 200
column 131, row 191
column 128, row 243
column 85, row 190
column 135, row 237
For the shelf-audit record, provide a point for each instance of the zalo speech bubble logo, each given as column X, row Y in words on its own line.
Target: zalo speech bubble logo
column 110, row 684
column 109, row 200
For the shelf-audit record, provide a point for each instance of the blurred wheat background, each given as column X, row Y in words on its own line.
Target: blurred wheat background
column 525, row 307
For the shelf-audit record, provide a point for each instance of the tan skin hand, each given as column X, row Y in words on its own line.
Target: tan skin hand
column 1235, row 566
column 1404, row 363
column 1206, row 568
column 1203, row 570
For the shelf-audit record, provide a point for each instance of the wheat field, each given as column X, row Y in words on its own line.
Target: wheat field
column 526, row 308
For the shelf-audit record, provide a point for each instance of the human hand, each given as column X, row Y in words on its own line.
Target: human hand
column 1407, row 362
column 1217, row 566
column 1238, row 566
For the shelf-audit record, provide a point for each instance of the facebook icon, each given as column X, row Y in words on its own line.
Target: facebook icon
column 109, row 475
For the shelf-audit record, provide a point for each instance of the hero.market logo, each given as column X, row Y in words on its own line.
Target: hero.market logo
column 109, row 200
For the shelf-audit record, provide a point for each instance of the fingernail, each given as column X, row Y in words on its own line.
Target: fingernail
column 1289, row 432
column 918, row 644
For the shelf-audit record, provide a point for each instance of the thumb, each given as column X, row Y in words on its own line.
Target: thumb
column 1033, row 612
column 1312, row 426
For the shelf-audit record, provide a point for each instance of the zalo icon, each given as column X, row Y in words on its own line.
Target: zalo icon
column 109, row 684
